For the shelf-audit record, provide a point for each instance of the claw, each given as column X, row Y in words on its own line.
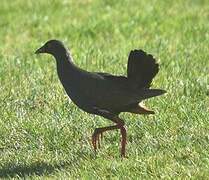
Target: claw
column 94, row 143
column 101, row 136
column 96, row 140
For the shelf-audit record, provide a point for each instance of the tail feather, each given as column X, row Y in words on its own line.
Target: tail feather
column 149, row 93
column 142, row 68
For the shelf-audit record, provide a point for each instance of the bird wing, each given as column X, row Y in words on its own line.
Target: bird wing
column 142, row 68
column 113, row 78
column 114, row 92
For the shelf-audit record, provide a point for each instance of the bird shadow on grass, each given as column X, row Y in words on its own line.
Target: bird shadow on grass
column 37, row 168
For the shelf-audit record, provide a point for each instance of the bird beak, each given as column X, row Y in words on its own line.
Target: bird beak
column 40, row 50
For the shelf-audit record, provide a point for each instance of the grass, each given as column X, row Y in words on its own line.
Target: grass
column 42, row 135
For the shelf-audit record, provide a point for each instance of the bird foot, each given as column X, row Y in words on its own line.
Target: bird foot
column 96, row 139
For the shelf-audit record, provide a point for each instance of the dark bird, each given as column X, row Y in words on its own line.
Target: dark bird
column 104, row 94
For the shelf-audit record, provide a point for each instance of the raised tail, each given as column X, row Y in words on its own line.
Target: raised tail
column 142, row 68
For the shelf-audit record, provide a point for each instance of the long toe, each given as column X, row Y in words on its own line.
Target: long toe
column 98, row 140
column 94, row 142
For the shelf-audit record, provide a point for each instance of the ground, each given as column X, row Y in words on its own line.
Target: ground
column 44, row 135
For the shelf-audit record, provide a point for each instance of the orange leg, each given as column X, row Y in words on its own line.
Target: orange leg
column 123, row 141
column 99, row 131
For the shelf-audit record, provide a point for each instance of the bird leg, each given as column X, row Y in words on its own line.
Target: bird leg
column 120, row 124
column 123, row 141
column 99, row 131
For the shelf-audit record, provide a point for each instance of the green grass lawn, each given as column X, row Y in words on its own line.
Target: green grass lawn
column 43, row 135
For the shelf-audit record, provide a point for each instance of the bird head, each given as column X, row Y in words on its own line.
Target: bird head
column 53, row 47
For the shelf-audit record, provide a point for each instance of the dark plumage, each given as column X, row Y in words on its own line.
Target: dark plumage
column 104, row 94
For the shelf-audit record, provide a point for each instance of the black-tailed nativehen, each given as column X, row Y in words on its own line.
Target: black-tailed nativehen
column 104, row 94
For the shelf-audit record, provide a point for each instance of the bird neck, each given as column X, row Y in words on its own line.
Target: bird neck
column 66, row 69
column 65, row 61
